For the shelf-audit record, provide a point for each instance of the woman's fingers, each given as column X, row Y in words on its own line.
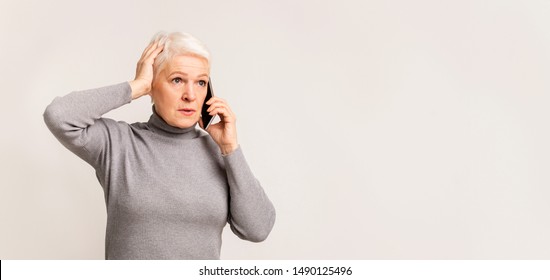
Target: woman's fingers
column 152, row 50
column 147, row 59
column 156, row 51
column 224, row 133
column 148, row 48
column 144, row 68
column 225, row 113
column 215, row 99
column 152, row 53
column 215, row 102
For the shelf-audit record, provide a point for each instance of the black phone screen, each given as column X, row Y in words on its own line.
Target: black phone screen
column 206, row 118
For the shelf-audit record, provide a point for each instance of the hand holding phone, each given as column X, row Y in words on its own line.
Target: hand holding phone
column 224, row 133
column 207, row 118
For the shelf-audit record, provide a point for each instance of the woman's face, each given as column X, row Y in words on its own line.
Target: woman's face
column 179, row 89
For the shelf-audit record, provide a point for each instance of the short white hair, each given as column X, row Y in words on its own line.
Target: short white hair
column 179, row 43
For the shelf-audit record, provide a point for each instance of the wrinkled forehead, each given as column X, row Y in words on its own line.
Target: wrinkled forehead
column 189, row 64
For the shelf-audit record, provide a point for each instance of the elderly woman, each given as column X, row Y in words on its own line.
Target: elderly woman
column 170, row 188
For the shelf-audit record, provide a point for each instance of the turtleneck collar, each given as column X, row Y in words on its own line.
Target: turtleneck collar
column 159, row 125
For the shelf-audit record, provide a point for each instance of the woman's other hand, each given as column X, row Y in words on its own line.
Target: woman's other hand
column 141, row 85
column 224, row 132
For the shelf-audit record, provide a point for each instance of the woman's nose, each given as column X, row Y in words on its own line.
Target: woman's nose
column 188, row 93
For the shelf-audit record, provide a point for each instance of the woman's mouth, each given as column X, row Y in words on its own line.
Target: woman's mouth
column 187, row 111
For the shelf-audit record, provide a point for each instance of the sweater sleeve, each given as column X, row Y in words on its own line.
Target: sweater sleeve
column 75, row 119
column 251, row 213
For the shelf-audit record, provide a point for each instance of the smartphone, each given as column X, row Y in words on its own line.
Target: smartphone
column 207, row 118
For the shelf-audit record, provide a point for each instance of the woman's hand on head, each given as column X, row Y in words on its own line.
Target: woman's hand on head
column 224, row 132
column 141, row 85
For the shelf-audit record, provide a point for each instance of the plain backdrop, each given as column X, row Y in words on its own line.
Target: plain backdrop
column 379, row 129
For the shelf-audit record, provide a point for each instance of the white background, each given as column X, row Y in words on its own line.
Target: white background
column 379, row 129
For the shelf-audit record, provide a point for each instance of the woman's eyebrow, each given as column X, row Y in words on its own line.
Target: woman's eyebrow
column 179, row 72
column 185, row 74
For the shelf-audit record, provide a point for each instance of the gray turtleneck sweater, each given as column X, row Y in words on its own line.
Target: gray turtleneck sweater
column 169, row 192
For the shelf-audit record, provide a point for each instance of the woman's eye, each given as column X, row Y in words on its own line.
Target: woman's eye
column 202, row 83
column 176, row 80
